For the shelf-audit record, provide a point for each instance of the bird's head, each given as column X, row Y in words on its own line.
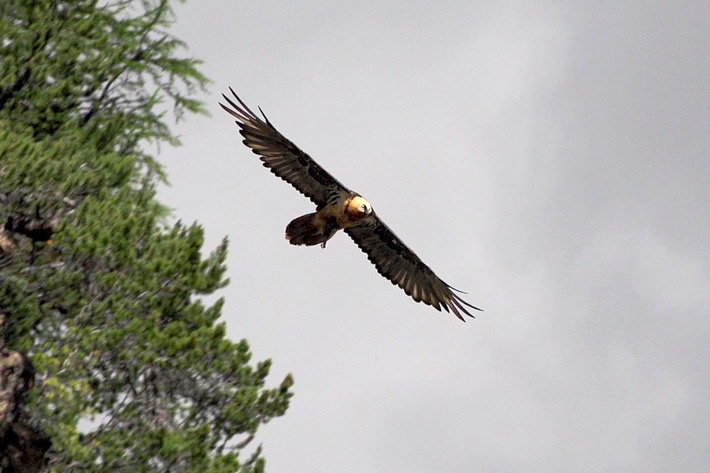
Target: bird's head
column 358, row 208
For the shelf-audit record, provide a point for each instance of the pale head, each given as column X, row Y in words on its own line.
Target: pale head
column 358, row 208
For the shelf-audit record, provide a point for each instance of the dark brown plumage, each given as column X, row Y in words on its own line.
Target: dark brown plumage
column 337, row 207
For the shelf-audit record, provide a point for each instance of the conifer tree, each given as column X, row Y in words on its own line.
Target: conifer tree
column 99, row 294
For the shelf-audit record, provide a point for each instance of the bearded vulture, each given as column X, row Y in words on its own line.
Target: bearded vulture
column 337, row 207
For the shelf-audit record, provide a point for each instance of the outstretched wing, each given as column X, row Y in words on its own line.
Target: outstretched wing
column 395, row 261
column 281, row 156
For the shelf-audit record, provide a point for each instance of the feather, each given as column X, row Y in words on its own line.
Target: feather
column 396, row 262
column 281, row 156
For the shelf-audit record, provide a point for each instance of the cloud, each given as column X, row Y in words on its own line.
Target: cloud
column 551, row 160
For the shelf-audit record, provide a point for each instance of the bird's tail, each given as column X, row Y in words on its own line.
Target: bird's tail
column 305, row 230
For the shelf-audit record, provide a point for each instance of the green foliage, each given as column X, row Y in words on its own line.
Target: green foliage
column 134, row 373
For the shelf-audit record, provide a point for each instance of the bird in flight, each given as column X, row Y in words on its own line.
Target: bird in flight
column 339, row 208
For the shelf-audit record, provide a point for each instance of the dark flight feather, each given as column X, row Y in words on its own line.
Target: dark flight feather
column 396, row 262
column 283, row 157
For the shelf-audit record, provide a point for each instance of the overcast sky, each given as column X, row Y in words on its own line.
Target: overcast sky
column 553, row 161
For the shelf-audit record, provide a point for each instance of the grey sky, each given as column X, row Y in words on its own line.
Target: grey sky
column 551, row 160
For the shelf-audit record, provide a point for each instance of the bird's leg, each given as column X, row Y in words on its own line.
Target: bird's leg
column 331, row 227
